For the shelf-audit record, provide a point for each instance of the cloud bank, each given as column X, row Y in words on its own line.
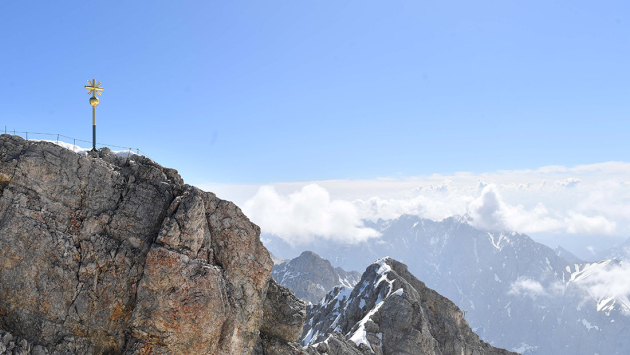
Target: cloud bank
column 586, row 200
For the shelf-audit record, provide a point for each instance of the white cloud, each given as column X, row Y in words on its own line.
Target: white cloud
column 524, row 286
column 306, row 214
column 577, row 223
column 427, row 206
column 583, row 200
column 610, row 281
column 488, row 211
column 570, row 182
column 527, row 287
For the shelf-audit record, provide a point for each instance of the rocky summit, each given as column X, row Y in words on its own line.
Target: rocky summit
column 101, row 254
column 390, row 312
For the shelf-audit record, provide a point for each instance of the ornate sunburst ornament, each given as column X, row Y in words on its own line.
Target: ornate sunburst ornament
column 94, row 88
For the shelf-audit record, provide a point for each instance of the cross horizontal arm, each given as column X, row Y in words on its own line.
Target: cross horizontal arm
column 93, row 88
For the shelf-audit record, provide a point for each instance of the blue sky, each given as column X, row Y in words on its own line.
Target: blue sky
column 379, row 103
column 267, row 91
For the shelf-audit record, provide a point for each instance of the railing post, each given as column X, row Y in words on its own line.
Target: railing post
column 26, row 135
column 74, row 144
column 57, row 138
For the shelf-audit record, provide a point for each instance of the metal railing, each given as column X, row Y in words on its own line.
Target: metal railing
column 60, row 138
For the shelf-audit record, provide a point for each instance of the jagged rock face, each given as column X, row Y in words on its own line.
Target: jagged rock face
column 284, row 313
column 105, row 255
column 390, row 312
column 310, row 276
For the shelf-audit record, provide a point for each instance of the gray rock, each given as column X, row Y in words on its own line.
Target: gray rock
column 283, row 313
column 336, row 344
column 11, row 345
column 270, row 345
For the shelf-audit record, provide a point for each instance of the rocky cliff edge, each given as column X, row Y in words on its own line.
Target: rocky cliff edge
column 101, row 254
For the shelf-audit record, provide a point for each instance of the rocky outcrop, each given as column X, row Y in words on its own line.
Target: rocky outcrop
column 10, row 345
column 390, row 312
column 101, row 254
column 311, row 276
column 336, row 343
column 284, row 313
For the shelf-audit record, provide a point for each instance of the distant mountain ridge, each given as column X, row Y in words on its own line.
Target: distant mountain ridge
column 310, row 276
column 504, row 280
column 621, row 252
column 567, row 255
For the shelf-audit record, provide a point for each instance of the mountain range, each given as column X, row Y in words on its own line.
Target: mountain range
column 517, row 294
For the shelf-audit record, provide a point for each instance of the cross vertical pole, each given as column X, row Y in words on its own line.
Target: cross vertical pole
column 94, row 127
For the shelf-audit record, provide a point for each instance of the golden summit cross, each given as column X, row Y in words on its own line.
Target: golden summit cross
column 94, row 88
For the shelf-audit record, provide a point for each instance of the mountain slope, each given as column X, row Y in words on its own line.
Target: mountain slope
column 567, row 255
column 621, row 252
column 392, row 312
